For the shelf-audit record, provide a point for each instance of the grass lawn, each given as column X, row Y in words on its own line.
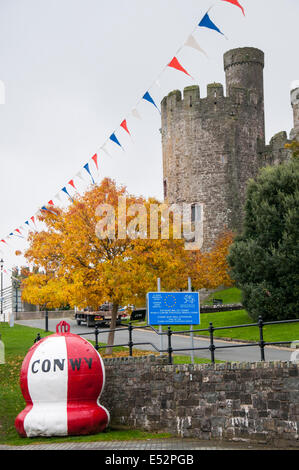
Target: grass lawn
column 17, row 341
column 229, row 296
column 284, row 332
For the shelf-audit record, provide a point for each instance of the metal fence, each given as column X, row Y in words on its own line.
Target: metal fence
column 169, row 332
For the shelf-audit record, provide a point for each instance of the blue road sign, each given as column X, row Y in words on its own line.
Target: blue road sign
column 173, row 308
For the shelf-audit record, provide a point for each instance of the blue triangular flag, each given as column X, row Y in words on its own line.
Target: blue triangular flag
column 65, row 190
column 86, row 167
column 52, row 212
column 114, row 139
column 147, row 97
column 206, row 22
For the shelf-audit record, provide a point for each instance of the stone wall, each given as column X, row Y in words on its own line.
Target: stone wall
column 252, row 401
column 41, row 314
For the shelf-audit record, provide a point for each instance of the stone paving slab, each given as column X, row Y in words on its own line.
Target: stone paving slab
column 149, row 444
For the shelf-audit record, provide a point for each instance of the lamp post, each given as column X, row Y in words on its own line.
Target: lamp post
column 1, row 265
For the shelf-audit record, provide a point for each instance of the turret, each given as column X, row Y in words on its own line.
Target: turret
column 244, row 69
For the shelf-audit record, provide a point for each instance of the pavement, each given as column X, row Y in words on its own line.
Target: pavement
column 244, row 353
column 140, row 445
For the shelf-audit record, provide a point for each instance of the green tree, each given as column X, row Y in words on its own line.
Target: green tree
column 264, row 259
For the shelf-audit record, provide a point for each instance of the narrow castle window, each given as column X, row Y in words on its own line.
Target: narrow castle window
column 195, row 213
column 165, row 188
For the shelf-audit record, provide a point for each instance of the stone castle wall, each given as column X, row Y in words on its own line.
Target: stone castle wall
column 212, row 146
column 251, row 401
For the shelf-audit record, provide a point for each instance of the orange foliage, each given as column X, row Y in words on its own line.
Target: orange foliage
column 210, row 269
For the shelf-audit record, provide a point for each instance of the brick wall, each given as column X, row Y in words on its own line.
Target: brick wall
column 252, row 401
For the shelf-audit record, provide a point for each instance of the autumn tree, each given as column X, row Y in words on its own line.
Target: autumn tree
column 84, row 268
column 210, row 269
column 294, row 147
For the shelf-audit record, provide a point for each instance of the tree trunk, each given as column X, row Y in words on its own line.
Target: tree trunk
column 109, row 349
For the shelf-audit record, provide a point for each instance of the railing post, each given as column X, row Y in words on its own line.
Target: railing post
column 169, row 333
column 96, row 333
column 46, row 321
column 262, row 342
column 130, row 344
column 212, row 346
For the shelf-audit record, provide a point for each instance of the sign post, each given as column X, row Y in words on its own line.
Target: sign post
column 160, row 326
column 191, row 327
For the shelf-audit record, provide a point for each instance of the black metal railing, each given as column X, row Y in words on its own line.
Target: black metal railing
column 170, row 350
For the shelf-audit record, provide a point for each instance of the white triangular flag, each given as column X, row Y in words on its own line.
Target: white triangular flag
column 191, row 42
column 58, row 197
column 136, row 114
column 79, row 175
column 106, row 151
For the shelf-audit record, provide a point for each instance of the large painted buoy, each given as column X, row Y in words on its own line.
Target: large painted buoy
column 62, row 378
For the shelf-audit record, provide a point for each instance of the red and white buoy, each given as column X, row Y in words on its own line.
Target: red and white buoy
column 62, row 378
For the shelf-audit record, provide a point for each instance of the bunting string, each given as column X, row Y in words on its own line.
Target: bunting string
column 206, row 22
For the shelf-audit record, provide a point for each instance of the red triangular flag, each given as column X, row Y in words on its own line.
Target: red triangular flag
column 124, row 126
column 17, row 230
column 235, row 2
column 33, row 220
column 71, row 182
column 95, row 159
column 51, row 202
column 3, row 241
column 176, row 65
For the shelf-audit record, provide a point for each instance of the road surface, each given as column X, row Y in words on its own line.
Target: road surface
column 240, row 354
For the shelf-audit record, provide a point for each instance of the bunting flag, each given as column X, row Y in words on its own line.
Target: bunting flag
column 174, row 63
column 95, row 159
column 71, row 183
column 44, row 208
column 27, row 223
column 114, row 139
column 125, row 127
column 206, row 22
column 58, row 197
column 191, row 42
column 136, row 114
column 105, row 151
column 86, row 167
column 3, row 241
column 33, row 220
column 79, row 175
column 18, row 230
column 235, row 2
column 19, row 236
column 147, row 97
column 66, row 192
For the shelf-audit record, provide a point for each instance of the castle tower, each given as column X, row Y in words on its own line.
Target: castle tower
column 211, row 145
column 295, row 105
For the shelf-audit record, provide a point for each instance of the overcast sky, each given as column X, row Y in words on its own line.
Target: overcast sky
column 74, row 69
